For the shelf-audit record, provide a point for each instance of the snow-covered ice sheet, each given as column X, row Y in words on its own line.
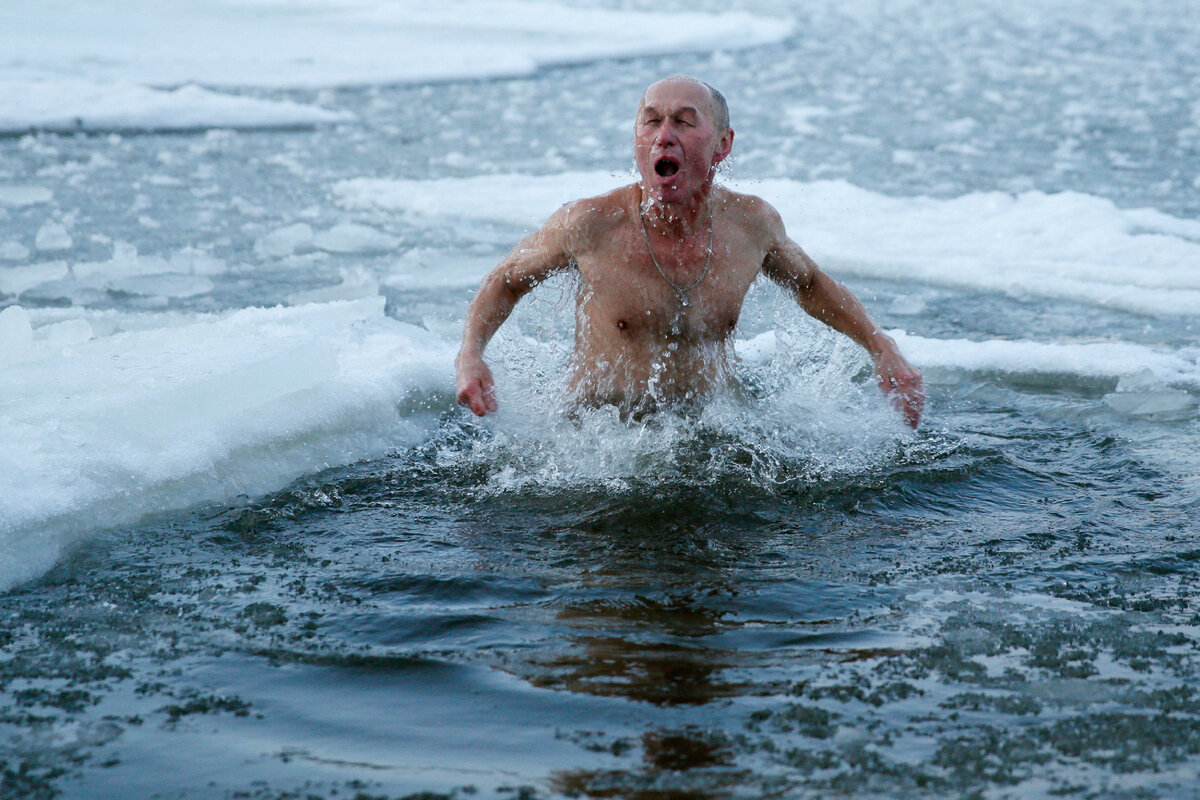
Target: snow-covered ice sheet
column 107, row 64
column 70, row 104
column 1066, row 246
column 191, row 408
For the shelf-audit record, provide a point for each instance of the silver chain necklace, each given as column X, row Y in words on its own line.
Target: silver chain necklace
column 681, row 291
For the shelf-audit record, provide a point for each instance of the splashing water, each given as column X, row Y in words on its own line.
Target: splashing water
column 809, row 413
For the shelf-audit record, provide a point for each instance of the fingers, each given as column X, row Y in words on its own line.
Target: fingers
column 476, row 388
column 910, row 406
column 479, row 398
column 907, row 391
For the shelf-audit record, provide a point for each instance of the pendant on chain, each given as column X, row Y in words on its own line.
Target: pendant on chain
column 680, row 291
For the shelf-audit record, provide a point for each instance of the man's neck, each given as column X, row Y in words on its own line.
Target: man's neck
column 680, row 218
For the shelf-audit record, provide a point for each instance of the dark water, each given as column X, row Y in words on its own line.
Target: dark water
column 1011, row 608
column 1005, row 604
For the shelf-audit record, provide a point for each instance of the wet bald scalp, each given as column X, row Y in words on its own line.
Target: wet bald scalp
column 718, row 108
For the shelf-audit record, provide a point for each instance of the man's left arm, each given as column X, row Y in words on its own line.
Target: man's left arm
column 832, row 303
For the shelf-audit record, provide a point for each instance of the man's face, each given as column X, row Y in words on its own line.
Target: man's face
column 675, row 143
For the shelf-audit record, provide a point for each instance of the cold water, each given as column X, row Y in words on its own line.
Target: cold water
column 250, row 548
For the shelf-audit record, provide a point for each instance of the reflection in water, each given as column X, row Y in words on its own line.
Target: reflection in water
column 661, row 674
column 675, row 765
column 640, row 665
column 650, row 651
column 653, row 575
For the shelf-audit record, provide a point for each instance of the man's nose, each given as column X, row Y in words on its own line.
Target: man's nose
column 665, row 135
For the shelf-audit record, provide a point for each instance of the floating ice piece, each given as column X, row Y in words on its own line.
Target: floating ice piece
column 422, row 268
column 356, row 284
column 70, row 104
column 52, row 236
column 352, row 238
column 125, row 262
column 65, row 290
column 192, row 261
column 19, row 196
column 1162, row 405
column 908, row 305
column 17, row 280
column 285, row 241
column 1141, row 381
column 1143, row 395
column 13, row 251
column 163, row 285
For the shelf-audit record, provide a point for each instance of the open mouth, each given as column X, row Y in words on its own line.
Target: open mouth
column 666, row 167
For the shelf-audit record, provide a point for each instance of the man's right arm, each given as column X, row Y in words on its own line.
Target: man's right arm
column 534, row 259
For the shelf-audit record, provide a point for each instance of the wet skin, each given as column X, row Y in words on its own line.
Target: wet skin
column 641, row 341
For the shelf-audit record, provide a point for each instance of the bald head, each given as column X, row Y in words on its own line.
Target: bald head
column 718, row 107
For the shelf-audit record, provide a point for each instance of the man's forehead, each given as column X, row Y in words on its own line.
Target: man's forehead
column 677, row 94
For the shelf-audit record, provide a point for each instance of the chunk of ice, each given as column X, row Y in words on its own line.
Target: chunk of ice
column 194, row 408
column 13, row 251
column 17, row 280
column 356, row 284
column 19, row 196
column 352, row 238
column 164, row 285
column 1163, row 405
column 285, row 241
column 65, row 334
column 53, row 236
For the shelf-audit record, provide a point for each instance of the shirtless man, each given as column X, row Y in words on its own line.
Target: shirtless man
column 665, row 264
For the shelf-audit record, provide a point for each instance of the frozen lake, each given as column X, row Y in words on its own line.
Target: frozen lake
column 250, row 548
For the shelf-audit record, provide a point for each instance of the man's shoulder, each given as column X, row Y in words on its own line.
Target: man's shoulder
column 597, row 215
column 748, row 210
column 610, row 204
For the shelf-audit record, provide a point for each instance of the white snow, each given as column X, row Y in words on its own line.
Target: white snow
column 141, row 64
column 67, row 104
column 1066, row 246
column 185, row 410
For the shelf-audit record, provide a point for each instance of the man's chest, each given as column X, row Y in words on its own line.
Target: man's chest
column 687, row 292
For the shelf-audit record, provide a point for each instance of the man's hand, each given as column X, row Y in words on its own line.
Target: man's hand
column 476, row 389
column 902, row 382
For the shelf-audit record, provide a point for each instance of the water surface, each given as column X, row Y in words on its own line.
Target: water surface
column 786, row 597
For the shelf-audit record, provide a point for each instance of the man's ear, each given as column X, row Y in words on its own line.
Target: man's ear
column 724, row 147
